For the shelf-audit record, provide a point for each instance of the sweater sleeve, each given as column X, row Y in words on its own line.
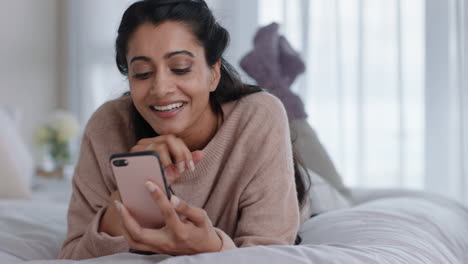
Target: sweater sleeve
column 87, row 205
column 269, row 210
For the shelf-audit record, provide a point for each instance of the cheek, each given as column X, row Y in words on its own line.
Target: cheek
column 138, row 93
column 205, row 84
column 196, row 88
column 201, row 93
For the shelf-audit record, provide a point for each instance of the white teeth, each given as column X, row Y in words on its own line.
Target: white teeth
column 167, row 107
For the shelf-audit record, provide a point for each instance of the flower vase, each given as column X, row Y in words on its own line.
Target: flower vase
column 55, row 173
column 54, row 158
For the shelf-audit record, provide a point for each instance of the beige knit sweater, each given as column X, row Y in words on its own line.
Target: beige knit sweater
column 245, row 181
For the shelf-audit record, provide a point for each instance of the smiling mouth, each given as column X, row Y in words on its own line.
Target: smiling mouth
column 167, row 108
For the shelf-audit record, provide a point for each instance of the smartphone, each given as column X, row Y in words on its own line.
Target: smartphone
column 131, row 172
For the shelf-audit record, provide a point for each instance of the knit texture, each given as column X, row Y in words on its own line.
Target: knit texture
column 245, row 181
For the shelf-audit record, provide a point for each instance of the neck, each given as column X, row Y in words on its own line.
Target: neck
column 202, row 131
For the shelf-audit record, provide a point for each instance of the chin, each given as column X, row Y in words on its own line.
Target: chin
column 169, row 130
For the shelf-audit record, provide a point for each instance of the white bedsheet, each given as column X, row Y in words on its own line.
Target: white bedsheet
column 414, row 230
column 31, row 229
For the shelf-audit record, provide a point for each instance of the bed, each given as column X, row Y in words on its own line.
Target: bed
column 380, row 226
column 383, row 226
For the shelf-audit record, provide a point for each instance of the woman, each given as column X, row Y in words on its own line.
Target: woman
column 225, row 146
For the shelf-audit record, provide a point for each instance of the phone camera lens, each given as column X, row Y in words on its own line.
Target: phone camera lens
column 120, row 163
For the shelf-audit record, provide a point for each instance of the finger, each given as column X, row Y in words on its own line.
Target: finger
column 164, row 155
column 115, row 196
column 179, row 152
column 156, row 140
column 118, row 197
column 172, row 174
column 176, row 148
column 196, row 215
column 132, row 227
column 147, row 141
column 150, row 146
column 144, row 239
column 138, row 148
column 132, row 244
column 197, row 156
column 170, row 216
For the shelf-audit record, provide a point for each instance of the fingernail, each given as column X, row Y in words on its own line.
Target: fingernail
column 175, row 201
column 181, row 166
column 117, row 205
column 150, row 186
column 191, row 165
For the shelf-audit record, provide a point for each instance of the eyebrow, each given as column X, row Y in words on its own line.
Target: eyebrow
column 143, row 58
column 170, row 54
column 166, row 56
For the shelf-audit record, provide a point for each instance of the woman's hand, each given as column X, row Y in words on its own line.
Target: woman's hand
column 190, row 234
column 175, row 155
column 111, row 222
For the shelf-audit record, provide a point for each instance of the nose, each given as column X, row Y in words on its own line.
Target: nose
column 162, row 85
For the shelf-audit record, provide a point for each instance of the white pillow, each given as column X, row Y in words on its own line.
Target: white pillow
column 16, row 162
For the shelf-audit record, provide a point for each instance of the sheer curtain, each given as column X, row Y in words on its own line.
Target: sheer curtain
column 447, row 98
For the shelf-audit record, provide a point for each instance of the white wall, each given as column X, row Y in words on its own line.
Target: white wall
column 93, row 77
column 28, row 68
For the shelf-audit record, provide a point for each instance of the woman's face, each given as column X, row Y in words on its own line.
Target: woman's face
column 170, row 80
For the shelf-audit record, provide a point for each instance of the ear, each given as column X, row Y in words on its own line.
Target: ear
column 215, row 75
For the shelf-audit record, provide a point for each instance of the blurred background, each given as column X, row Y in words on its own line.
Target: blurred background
column 385, row 86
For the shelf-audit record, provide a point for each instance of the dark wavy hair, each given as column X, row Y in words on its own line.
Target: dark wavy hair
column 211, row 36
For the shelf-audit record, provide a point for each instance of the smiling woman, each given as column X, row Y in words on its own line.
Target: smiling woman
column 224, row 145
column 170, row 82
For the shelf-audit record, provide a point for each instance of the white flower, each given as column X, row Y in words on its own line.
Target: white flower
column 42, row 135
column 64, row 125
column 53, row 136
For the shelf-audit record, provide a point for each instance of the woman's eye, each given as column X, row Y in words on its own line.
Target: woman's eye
column 142, row 76
column 181, row 71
